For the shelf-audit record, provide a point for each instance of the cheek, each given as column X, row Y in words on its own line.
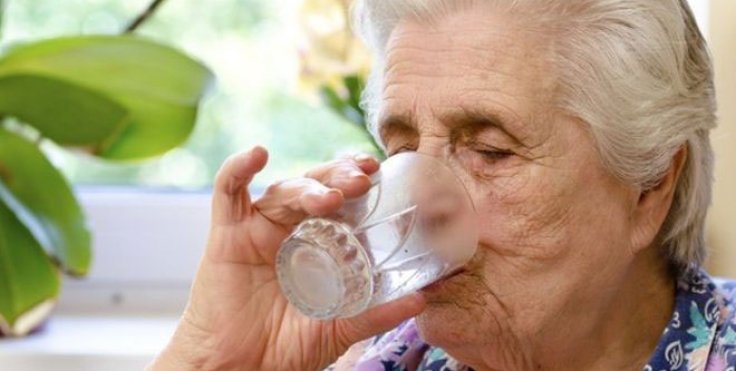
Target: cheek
column 542, row 217
column 525, row 212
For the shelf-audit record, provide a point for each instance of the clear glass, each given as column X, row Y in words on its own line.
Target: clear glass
column 415, row 226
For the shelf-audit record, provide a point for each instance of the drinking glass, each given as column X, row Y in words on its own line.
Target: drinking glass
column 415, row 225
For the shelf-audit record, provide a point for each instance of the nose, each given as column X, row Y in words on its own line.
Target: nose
column 440, row 147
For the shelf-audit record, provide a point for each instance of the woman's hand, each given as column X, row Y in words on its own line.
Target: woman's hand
column 237, row 317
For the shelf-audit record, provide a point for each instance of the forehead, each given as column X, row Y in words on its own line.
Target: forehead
column 473, row 60
column 479, row 37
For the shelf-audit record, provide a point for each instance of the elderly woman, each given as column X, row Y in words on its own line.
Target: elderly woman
column 580, row 129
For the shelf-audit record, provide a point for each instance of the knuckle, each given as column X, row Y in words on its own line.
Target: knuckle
column 292, row 186
column 276, row 187
column 221, row 179
column 331, row 168
column 230, row 160
column 226, row 166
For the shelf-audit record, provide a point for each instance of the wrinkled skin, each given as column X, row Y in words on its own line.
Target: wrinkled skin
column 568, row 274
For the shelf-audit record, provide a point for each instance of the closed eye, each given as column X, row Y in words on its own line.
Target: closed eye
column 400, row 150
column 494, row 154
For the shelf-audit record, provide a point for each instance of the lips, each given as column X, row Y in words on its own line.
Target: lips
column 436, row 286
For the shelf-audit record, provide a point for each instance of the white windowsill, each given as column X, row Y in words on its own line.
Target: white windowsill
column 146, row 247
column 81, row 343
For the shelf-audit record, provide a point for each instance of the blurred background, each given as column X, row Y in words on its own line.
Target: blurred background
column 270, row 59
column 721, row 235
column 277, row 64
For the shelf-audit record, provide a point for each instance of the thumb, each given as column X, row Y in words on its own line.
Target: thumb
column 230, row 198
column 378, row 320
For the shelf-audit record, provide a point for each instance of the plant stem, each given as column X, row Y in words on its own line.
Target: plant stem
column 143, row 17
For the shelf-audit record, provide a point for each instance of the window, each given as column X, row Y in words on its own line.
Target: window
column 148, row 234
column 252, row 46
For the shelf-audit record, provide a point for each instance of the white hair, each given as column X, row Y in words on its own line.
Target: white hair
column 638, row 72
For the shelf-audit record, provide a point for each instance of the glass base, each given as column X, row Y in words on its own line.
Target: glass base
column 324, row 270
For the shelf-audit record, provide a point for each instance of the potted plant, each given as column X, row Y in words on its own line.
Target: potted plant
column 117, row 97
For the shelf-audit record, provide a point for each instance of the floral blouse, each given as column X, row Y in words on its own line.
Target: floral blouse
column 701, row 335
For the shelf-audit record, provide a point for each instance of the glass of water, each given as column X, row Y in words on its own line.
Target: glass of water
column 415, row 225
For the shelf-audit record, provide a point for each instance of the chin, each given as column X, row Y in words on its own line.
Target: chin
column 455, row 313
column 443, row 325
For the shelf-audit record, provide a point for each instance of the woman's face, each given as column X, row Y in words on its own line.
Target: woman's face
column 556, row 229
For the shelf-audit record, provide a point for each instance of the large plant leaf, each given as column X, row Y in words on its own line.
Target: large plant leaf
column 43, row 201
column 28, row 279
column 66, row 113
column 159, row 86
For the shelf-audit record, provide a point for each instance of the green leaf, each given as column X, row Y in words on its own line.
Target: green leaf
column 331, row 98
column 42, row 200
column 66, row 113
column 28, row 279
column 344, row 109
column 349, row 109
column 354, row 85
column 158, row 85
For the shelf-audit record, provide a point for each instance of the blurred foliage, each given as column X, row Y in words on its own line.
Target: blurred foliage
column 346, row 104
column 333, row 60
column 131, row 98
column 256, row 48
column 289, row 77
column 114, row 97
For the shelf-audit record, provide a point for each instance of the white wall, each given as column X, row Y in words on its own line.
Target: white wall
column 722, row 218
column 701, row 9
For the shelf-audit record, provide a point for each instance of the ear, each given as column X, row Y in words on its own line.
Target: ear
column 654, row 204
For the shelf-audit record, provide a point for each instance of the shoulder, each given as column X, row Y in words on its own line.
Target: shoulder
column 723, row 351
column 398, row 349
column 348, row 360
column 725, row 299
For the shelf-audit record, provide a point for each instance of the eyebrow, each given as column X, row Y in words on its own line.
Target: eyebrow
column 461, row 119
column 396, row 123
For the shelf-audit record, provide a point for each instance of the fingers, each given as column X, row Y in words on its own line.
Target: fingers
column 349, row 175
column 320, row 193
column 230, row 199
column 289, row 202
column 379, row 319
column 367, row 163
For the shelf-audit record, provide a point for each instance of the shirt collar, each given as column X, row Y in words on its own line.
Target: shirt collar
column 687, row 340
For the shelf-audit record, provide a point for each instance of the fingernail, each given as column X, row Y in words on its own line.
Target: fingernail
column 254, row 149
column 356, row 174
column 334, row 191
column 362, row 157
